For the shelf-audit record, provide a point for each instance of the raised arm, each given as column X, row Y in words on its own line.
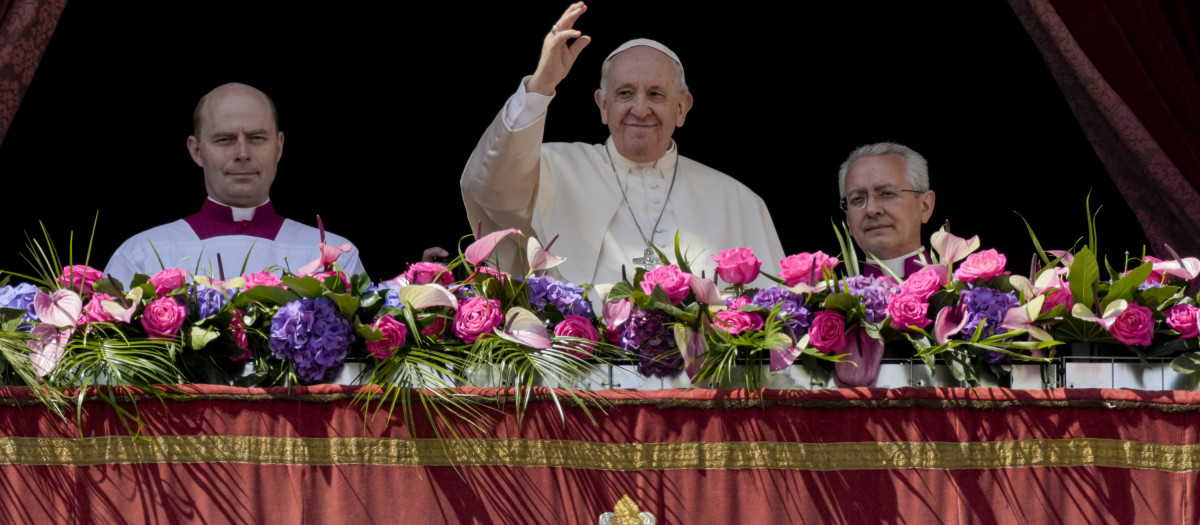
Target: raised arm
column 559, row 52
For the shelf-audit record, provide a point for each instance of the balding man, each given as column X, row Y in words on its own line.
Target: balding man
column 610, row 203
column 238, row 145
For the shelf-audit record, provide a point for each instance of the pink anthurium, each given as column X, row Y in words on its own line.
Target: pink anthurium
column 693, row 345
column 951, row 248
column 122, row 313
column 784, row 351
column 421, row 296
column 950, row 321
column 1187, row 268
column 47, row 345
column 1067, row 257
column 238, row 282
column 1021, row 317
column 615, row 313
column 61, row 309
column 1111, row 313
column 865, row 356
column 479, row 250
column 539, row 258
column 329, row 253
column 706, row 290
column 524, row 327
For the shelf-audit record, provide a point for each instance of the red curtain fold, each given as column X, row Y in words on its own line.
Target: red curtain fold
column 25, row 29
column 1129, row 72
column 943, row 455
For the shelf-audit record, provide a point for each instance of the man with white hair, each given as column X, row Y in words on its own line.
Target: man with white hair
column 609, row 204
column 886, row 197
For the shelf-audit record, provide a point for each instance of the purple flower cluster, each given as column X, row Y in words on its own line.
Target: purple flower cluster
column 791, row 307
column 874, row 293
column 567, row 297
column 390, row 292
column 986, row 303
column 647, row 332
column 208, row 301
column 313, row 335
column 20, row 297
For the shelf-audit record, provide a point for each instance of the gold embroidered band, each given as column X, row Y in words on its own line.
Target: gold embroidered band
column 600, row 456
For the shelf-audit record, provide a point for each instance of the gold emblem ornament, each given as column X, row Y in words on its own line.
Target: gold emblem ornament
column 627, row 513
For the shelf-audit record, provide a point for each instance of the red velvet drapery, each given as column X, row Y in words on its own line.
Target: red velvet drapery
column 702, row 456
column 1130, row 72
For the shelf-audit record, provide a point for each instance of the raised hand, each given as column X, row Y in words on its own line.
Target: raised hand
column 557, row 56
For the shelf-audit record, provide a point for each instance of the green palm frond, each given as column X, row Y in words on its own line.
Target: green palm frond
column 557, row 367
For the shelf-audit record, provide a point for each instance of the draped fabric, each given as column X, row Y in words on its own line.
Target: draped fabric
column 314, row 455
column 25, row 29
column 1129, row 72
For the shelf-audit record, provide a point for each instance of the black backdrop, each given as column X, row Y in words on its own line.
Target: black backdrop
column 381, row 107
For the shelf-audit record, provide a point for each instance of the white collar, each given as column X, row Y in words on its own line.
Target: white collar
column 241, row 214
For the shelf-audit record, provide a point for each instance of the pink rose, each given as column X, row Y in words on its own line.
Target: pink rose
column 80, row 278
column 1058, row 297
column 168, row 280
column 239, row 335
column 981, row 265
column 673, row 281
column 737, row 265
column 163, row 318
column 828, row 331
column 1135, row 326
column 925, row 283
column 394, row 333
column 262, row 279
column 738, row 302
column 435, row 327
column 428, row 272
column 484, row 271
column 737, row 321
column 1182, row 318
column 476, row 316
column 908, row 310
column 94, row 312
column 578, row 326
column 806, row 268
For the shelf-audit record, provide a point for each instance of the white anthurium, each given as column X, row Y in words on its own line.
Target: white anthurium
column 1111, row 313
column 706, row 291
column 421, row 296
column 951, row 248
column 539, row 258
column 1186, row 268
column 1021, row 317
column 122, row 313
column 524, row 327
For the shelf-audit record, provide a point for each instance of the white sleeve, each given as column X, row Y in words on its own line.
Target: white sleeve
column 525, row 108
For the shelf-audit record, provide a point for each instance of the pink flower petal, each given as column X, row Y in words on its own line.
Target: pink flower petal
column 705, row 290
column 524, row 327
column 61, row 309
column 952, row 248
column 47, row 347
column 539, row 258
column 615, row 313
column 479, row 250
column 864, row 359
column 421, row 296
column 950, row 320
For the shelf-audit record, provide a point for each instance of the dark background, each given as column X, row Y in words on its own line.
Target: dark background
column 382, row 106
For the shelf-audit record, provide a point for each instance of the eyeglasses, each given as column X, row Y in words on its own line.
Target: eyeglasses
column 858, row 201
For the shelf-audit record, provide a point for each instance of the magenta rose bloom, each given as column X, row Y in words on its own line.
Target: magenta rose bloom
column 1135, row 326
column 80, row 278
column 394, row 333
column 1182, row 318
column 806, row 267
column 578, row 326
column 476, row 316
column 981, row 265
column 163, row 318
column 93, row 312
column 924, row 283
column 262, row 279
column 828, row 331
column 435, row 327
column 908, row 310
column 239, row 335
column 737, row 321
column 427, row 272
column 671, row 279
column 168, row 280
column 1058, row 297
column 737, row 265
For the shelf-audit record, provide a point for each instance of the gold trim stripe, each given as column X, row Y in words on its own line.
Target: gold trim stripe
column 600, row 456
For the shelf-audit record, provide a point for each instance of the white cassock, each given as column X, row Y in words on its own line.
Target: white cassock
column 574, row 190
column 257, row 237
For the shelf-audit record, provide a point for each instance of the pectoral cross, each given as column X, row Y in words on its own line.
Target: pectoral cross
column 648, row 260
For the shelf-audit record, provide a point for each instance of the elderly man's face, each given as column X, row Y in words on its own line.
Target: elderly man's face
column 642, row 104
column 238, row 146
column 886, row 230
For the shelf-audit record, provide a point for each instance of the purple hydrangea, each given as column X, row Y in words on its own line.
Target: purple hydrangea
column 390, row 292
column 791, row 307
column 312, row 334
column 20, row 297
column 647, row 332
column 986, row 303
column 567, row 297
column 208, row 301
column 874, row 294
